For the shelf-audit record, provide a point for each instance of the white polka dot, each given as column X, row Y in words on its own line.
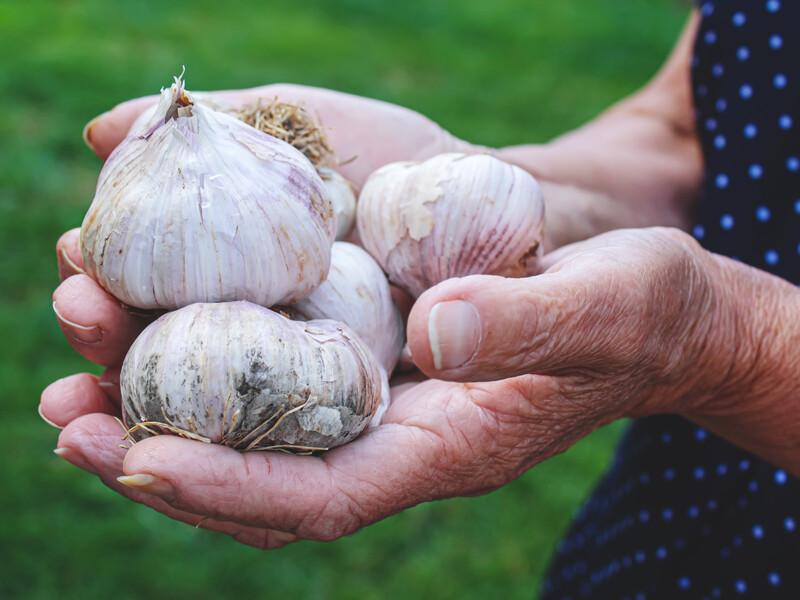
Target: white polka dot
column 700, row 434
column 717, row 70
column 721, row 181
column 640, row 557
column 775, row 41
column 779, row 81
column 699, row 232
column 743, row 53
column 710, row 37
column 780, row 477
column 798, row 248
column 726, row 222
column 711, row 124
column 694, row 511
column 741, row 586
column 737, row 541
column 712, row 505
column 758, row 532
column 785, row 122
column 640, row 596
column 793, row 163
column 699, row 473
column 708, row 8
column 746, row 91
column 666, row 514
column 762, row 214
column 788, row 524
column 722, row 104
column 739, row 19
column 725, row 552
column 680, row 544
column 753, row 485
column 661, row 552
column 666, row 438
column 774, row 578
column 755, row 171
column 684, row 583
column 750, row 131
column 772, row 6
column 716, row 592
column 744, row 465
column 722, row 468
column 669, row 474
column 719, row 142
column 797, row 206
column 702, row 90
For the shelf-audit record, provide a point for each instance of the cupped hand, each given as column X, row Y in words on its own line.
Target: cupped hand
column 617, row 326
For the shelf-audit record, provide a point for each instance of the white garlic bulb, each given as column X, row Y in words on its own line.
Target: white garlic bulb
column 343, row 199
column 357, row 293
column 450, row 216
column 244, row 376
column 196, row 206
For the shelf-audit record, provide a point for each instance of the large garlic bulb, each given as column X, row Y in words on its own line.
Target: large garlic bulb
column 357, row 294
column 450, row 216
column 196, row 206
column 244, row 376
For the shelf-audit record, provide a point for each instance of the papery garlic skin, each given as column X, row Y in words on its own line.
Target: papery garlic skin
column 343, row 199
column 357, row 293
column 450, row 216
column 238, row 374
column 196, row 206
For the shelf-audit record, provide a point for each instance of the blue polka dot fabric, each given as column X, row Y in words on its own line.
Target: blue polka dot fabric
column 682, row 514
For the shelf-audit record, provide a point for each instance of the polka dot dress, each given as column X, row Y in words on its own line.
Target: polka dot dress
column 682, row 514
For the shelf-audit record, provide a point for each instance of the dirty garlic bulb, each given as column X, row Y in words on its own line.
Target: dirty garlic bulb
column 450, row 216
column 244, row 376
column 196, row 206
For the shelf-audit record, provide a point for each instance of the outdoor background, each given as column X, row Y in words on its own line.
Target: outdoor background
column 495, row 72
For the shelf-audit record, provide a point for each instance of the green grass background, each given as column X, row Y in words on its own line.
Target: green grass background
column 495, row 72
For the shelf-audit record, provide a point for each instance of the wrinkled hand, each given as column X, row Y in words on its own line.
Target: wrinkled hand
column 617, row 326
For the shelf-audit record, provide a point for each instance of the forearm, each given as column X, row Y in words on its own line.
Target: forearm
column 755, row 358
column 637, row 164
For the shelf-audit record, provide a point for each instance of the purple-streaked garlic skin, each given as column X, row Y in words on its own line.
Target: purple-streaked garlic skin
column 343, row 199
column 196, row 206
column 450, row 216
column 230, row 372
column 357, row 293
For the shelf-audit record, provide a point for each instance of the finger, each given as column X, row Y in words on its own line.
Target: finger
column 104, row 133
column 485, row 328
column 95, row 324
column 93, row 443
column 68, row 252
column 71, row 397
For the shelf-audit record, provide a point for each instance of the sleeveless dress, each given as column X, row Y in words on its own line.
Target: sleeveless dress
column 681, row 513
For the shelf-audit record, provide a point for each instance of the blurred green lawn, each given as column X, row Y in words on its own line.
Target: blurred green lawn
column 495, row 72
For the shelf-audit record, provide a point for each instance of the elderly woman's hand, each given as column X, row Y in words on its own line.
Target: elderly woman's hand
column 629, row 323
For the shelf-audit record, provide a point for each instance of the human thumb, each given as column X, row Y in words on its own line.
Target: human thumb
column 485, row 328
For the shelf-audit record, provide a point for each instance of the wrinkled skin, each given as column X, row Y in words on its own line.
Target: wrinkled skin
column 619, row 325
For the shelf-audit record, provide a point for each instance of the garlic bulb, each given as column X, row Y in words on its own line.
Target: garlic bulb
column 244, row 376
column 357, row 294
column 343, row 199
column 196, row 206
column 450, row 216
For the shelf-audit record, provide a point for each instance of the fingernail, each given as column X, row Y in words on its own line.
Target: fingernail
column 70, row 268
column 454, row 332
column 48, row 421
column 149, row 484
column 87, row 131
column 75, row 457
column 88, row 334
